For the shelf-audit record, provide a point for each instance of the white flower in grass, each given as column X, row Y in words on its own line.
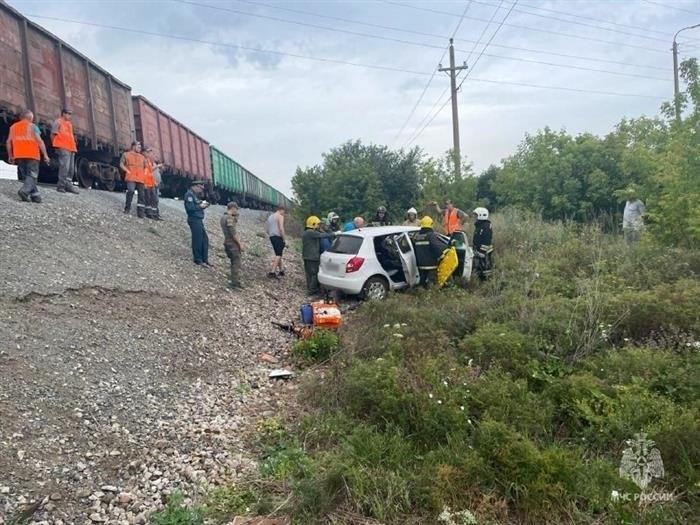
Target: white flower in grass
column 439, row 401
column 400, row 336
column 387, row 325
column 462, row 408
column 397, row 325
column 444, row 382
column 430, row 396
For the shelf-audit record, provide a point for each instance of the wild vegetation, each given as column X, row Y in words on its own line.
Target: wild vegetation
column 515, row 400
column 510, row 401
column 553, row 174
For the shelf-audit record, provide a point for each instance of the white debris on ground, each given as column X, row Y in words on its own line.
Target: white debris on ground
column 127, row 372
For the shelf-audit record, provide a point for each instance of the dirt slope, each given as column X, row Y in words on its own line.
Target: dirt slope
column 125, row 370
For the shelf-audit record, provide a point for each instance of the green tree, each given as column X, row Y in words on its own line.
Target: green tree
column 356, row 179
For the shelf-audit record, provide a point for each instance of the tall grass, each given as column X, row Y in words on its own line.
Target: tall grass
column 511, row 401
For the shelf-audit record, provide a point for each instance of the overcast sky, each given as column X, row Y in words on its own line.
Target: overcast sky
column 274, row 112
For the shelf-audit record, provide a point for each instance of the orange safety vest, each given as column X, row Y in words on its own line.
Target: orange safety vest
column 64, row 139
column 23, row 139
column 149, row 178
column 136, row 164
column 452, row 222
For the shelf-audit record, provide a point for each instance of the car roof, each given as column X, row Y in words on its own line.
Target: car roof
column 376, row 231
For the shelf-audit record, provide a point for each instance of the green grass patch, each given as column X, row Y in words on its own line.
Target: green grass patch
column 510, row 402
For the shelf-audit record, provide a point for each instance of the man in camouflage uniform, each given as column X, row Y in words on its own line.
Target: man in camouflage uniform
column 232, row 244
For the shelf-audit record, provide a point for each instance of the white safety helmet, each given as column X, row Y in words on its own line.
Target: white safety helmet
column 482, row 214
column 412, row 211
column 333, row 215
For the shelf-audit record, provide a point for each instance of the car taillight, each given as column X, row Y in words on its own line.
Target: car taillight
column 354, row 264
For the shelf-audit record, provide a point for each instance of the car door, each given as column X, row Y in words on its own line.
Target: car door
column 465, row 254
column 408, row 258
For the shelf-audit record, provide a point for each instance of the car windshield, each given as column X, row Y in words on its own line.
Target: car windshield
column 346, row 244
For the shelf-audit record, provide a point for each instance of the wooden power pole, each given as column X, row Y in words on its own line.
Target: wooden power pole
column 453, row 71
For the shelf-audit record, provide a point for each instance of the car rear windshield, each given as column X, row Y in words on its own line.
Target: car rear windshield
column 346, row 244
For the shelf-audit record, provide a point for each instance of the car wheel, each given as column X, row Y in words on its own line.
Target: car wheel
column 376, row 288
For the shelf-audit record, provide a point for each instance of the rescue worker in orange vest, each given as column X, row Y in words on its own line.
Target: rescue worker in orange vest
column 26, row 148
column 63, row 141
column 149, row 182
column 452, row 218
column 133, row 164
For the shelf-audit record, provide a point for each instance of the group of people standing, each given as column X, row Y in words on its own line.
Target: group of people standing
column 26, row 149
column 142, row 174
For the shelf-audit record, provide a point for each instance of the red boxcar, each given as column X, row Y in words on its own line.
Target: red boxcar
column 42, row 73
column 184, row 153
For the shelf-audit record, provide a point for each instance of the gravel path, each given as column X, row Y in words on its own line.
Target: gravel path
column 126, row 371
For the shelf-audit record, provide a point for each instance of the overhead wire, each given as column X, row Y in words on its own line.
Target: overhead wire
column 312, row 58
column 471, row 68
column 231, row 46
column 432, row 76
column 527, row 28
column 574, row 22
column 434, row 35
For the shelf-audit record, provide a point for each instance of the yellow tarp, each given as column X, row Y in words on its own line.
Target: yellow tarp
column 448, row 264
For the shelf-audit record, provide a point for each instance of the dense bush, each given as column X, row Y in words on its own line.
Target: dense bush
column 511, row 399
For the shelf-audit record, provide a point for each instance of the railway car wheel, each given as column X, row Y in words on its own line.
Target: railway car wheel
column 84, row 173
column 108, row 178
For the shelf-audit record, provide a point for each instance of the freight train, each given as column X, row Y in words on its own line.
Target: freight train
column 42, row 73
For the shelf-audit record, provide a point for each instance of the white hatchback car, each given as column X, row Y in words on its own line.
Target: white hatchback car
column 371, row 261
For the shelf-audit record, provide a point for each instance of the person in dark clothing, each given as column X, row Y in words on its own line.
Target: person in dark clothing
column 382, row 217
column 311, row 252
column 428, row 247
column 482, row 243
column 232, row 244
column 195, row 206
column 334, row 221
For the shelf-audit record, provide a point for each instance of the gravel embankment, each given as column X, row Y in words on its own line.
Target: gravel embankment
column 126, row 371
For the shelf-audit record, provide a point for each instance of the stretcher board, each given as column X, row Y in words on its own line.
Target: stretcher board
column 448, row 264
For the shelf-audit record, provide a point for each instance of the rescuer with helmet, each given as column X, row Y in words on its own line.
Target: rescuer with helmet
column 411, row 218
column 311, row 252
column 133, row 164
column 482, row 243
column 25, row 148
column 195, row 206
column 63, row 142
column 382, row 217
column 334, row 221
column 428, row 248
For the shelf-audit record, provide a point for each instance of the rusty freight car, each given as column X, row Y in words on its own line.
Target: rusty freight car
column 184, row 153
column 40, row 72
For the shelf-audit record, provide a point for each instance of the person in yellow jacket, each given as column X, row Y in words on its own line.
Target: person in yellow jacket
column 63, row 142
column 26, row 148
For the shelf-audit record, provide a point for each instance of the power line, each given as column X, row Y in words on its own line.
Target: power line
column 581, row 68
column 306, row 24
column 419, row 127
column 528, row 28
column 661, row 4
column 430, row 80
column 548, row 17
column 594, row 19
column 309, row 57
column 483, row 31
column 231, row 46
column 434, row 35
column 454, row 91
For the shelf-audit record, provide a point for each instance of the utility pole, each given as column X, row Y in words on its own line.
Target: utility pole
column 453, row 71
column 676, row 88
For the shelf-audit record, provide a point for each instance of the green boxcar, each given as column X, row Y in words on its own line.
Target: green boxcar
column 234, row 178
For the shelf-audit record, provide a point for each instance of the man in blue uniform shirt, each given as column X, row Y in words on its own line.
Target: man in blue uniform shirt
column 195, row 206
